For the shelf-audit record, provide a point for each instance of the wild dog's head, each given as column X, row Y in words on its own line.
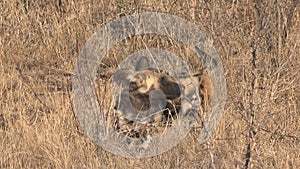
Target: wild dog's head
column 145, row 79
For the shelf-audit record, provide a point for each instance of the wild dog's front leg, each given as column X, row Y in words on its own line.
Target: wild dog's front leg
column 206, row 90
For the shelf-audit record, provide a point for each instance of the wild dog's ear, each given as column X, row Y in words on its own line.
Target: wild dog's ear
column 122, row 76
column 142, row 63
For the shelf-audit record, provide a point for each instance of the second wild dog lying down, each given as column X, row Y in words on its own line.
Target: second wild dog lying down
column 149, row 95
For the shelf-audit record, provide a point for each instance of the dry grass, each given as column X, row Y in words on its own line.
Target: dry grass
column 258, row 43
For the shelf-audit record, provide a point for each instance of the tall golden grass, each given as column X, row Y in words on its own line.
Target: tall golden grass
column 258, row 43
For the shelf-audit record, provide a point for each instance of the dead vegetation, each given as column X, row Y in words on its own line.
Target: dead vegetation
column 258, row 43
